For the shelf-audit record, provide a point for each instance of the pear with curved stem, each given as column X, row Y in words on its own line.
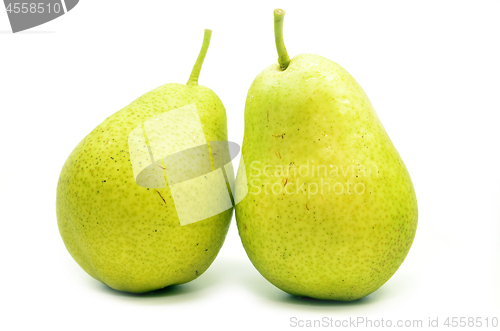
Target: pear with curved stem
column 116, row 211
column 331, row 211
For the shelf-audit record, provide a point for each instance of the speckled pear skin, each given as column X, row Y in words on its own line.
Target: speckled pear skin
column 125, row 235
column 336, row 245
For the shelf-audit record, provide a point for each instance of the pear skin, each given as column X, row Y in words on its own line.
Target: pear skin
column 126, row 235
column 331, row 211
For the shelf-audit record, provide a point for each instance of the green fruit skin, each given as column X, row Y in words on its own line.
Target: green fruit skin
column 325, row 246
column 124, row 235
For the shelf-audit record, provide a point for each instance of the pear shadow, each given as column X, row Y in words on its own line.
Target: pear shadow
column 307, row 301
column 27, row 32
column 169, row 295
column 255, row 283
column 169, row 291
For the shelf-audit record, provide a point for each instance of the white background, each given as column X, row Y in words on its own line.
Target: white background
column 430, row 68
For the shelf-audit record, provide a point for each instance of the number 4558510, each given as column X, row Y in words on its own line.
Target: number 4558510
column 471, row 322
column 24, row 8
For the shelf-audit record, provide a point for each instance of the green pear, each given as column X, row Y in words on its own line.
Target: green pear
column 120, row 218
column 331, row 210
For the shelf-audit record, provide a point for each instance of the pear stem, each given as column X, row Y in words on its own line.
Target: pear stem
column 193, row 79
column 283, row 59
